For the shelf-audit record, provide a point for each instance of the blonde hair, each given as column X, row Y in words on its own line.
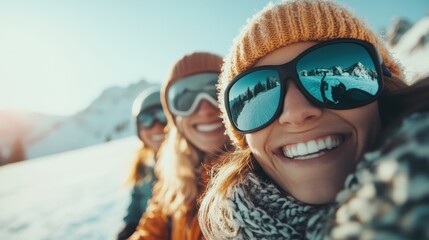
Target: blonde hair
column 140, row 167
column 176, row 170
column 214, row 214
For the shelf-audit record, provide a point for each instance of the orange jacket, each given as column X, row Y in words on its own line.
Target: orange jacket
column 157, row 226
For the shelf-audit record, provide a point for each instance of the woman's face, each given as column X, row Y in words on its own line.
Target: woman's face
column 204, row 128
column 153, row 136
column 308, row 151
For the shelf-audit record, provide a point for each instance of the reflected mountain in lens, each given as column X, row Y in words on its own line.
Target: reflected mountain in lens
column 330, row 85
column 357, row 70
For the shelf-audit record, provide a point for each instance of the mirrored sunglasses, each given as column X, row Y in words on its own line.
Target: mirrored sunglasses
column 335, row 74
column 184, row 95
column 147, row 118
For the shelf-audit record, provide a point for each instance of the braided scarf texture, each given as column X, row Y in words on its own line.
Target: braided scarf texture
column 263, row 211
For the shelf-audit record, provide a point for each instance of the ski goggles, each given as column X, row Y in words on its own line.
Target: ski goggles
column 147, row 118
column 336, row 74
column 184, row 95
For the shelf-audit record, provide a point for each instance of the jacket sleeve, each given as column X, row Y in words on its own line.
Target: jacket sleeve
column 153, row 225
column 134, row 211
column 126, row 232
column 140, row 195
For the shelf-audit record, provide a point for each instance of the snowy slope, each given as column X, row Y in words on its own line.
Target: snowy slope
column 74, row 195
column 257, row 118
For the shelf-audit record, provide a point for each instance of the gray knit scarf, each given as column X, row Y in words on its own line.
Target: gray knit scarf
column 263, row 211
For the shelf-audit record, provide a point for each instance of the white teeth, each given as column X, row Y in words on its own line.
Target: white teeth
column 157, row 137
column 302, row 149
column 209, row 127
column 329, row 143
column 310, row 156
column 321, row 144
column 312, row 148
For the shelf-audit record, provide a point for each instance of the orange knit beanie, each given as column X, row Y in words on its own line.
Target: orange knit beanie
column 195, row 63
column 292, row 21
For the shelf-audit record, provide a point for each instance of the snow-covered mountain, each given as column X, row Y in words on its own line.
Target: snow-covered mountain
column 410, row 44
column 108, row 117
column 359, row 70
column 79, row 194
column 355, row 70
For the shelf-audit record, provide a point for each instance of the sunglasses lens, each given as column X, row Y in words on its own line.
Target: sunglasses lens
column 183, row 93
column 185, row 100
column 339, row 76
column 160, row 116
column 253, row 99
column 145, row 120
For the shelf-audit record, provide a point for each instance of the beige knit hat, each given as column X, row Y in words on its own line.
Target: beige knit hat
column 191, row 64
column 278, row 25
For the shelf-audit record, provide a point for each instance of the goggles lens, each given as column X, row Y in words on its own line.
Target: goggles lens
column 147, row 118
column 184, row 95
column 337, row 74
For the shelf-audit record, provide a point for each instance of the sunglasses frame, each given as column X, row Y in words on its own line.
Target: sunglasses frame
column 197, row 100
column 288, row 71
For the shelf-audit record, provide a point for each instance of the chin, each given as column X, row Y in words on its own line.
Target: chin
column 208, row 150
column 317, row 200
column 317, row 195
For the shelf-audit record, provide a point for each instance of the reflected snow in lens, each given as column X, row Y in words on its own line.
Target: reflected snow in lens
column 259, row 110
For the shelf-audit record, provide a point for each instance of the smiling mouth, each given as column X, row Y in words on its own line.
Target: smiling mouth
column 209, row 127
column 312, row 148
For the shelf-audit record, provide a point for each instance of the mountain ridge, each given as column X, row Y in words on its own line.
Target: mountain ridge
column 108, row 117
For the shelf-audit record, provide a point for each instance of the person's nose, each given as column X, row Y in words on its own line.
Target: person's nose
column 297, row 110
column 158, row 126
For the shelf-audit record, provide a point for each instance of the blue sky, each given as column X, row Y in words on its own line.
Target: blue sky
column 58, row 56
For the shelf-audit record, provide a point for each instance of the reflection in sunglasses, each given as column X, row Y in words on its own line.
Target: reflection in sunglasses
column 337, row 74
